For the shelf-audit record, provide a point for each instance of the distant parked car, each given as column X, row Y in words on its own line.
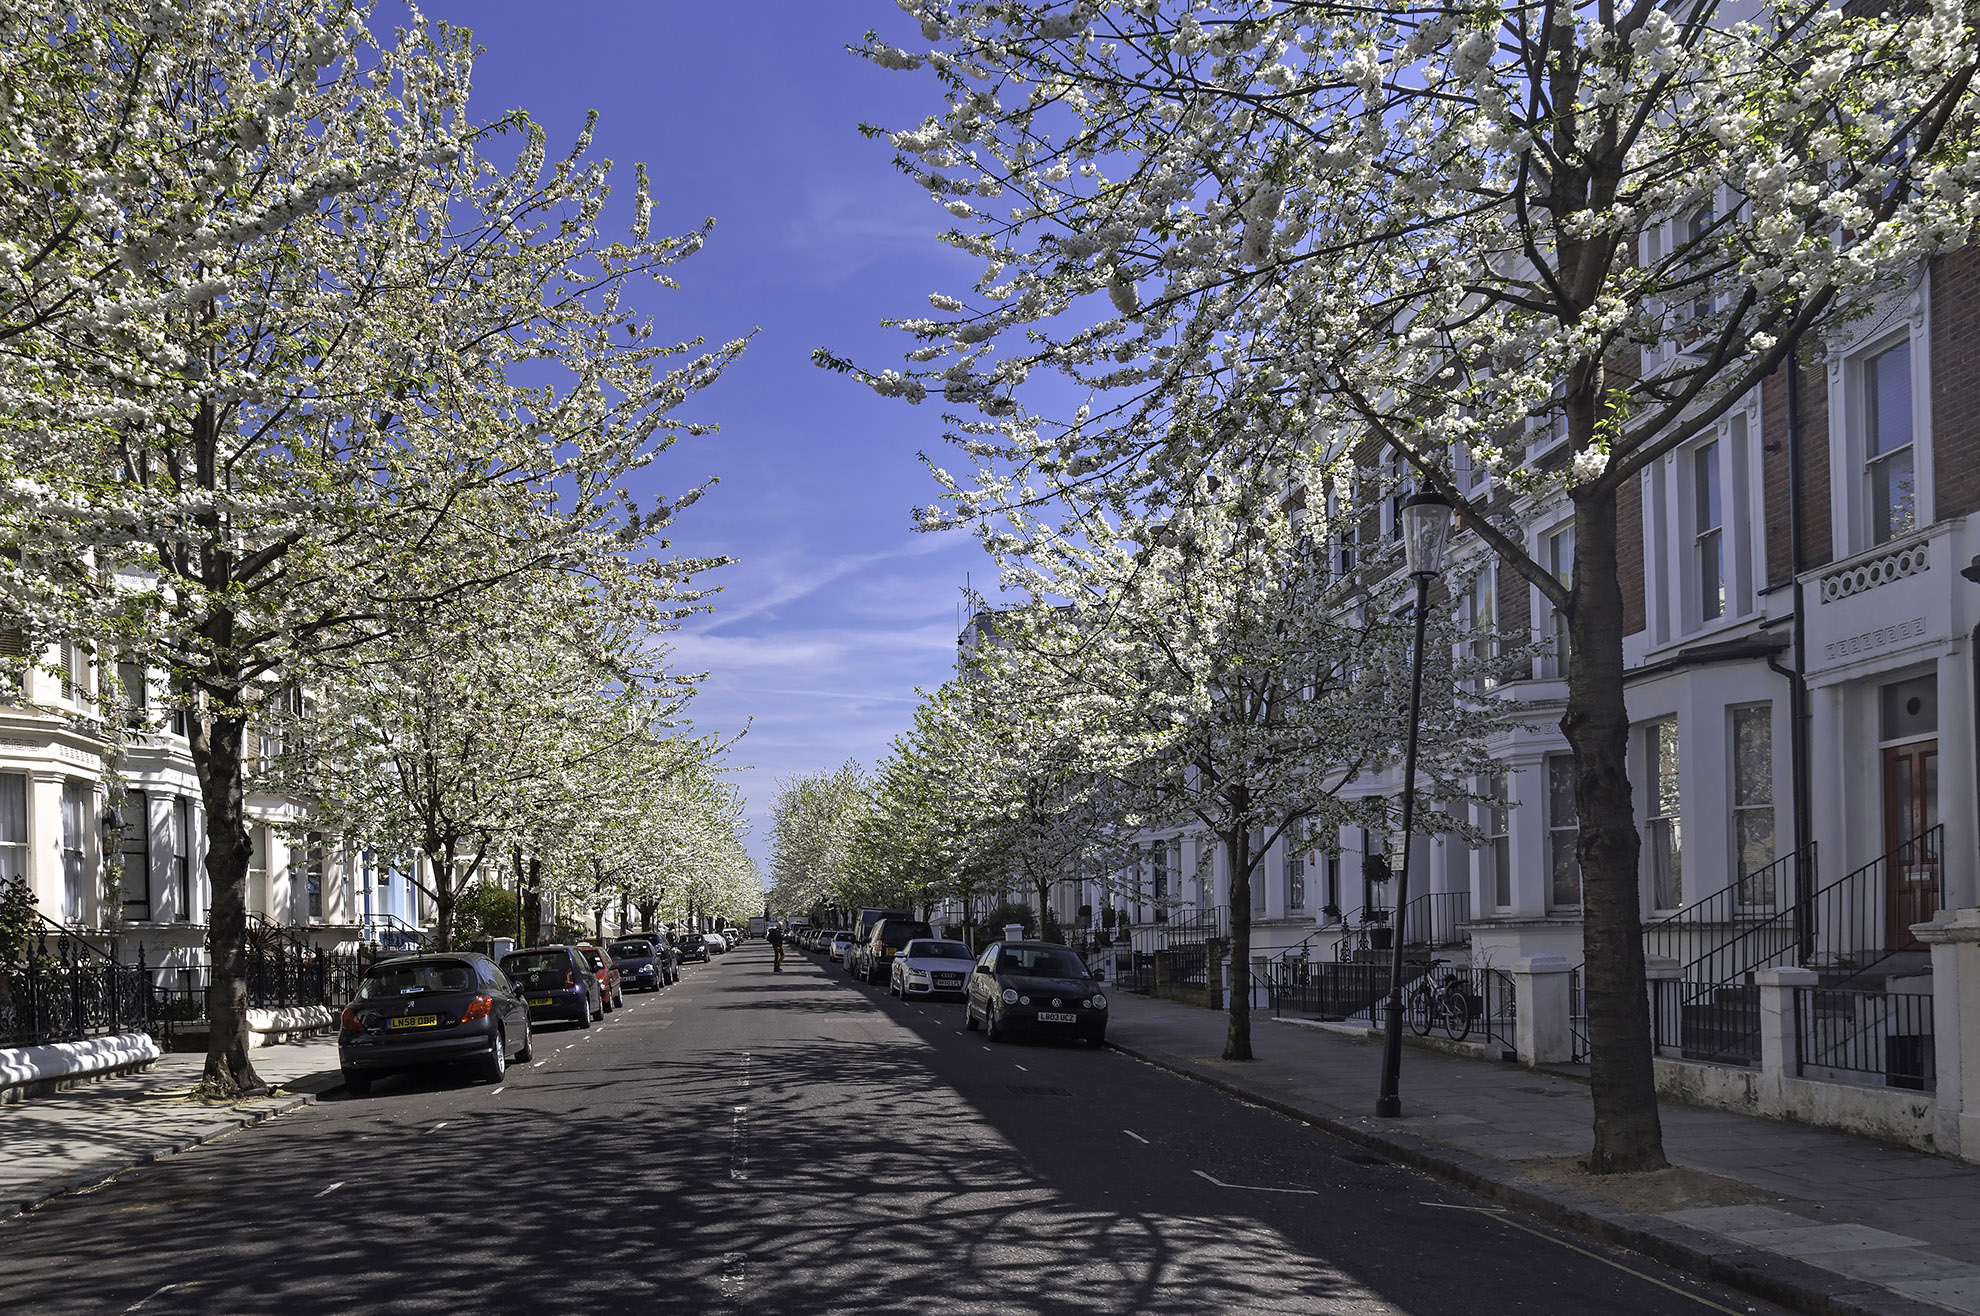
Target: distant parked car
column 1034, row 987
column 557, row 984
column 641, row 962
column 930, row 968
column 875, row 960
column 425, row 1010
column 610, row 984
column 841, row 943
column 691, row 948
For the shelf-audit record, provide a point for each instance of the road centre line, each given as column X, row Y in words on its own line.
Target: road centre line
column 1025, row 1070
column 331, row 1189
column 1254, row 1188
column 1136, row 1136
column 441, row 1125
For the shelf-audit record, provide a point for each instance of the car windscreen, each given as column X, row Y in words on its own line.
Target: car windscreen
column 536, row 966
column 593, row 960
column 413, row 979
column 937, row 950
column 631, row 949
column 1041, row 962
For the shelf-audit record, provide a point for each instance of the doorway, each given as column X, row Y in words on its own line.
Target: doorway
column 1911, row 843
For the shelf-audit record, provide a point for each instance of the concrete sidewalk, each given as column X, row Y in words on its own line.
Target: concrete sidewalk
column 83, row 1135
column 1817, row 1220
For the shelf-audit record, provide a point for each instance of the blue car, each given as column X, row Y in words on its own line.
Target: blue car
column 557, row 984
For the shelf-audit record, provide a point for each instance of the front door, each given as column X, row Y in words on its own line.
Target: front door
column 1911, row 847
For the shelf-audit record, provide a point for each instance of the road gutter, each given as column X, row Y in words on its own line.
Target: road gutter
column 1762, row 1273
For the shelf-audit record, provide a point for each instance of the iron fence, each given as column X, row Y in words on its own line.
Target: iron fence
column 1578, row 1050
column 1434, row 918
column 1328, row 989
column 1716, row 1023
column 1494, row 1010
column 52, row 1000
column 1850, row 1035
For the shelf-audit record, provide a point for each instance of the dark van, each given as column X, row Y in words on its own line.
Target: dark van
column 876, row 958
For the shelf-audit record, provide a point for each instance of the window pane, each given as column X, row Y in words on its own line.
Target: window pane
column 1753, row 755
column 13, row 808
column 1665, row 835
column 1753, row 834
column 1711, row 578
column 1664, row 769
column 1910, row 709
column 1705, row 485
column 1564, row 870
column 1893, row 497
column 1560, row 791
column 1887, row 382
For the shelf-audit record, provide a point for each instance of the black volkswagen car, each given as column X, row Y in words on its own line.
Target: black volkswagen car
column 644, row 961
column 557, row 983
column 691, row 948
column 421, row 1010
column 1034, row 987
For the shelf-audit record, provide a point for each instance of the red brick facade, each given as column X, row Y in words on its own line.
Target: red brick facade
column 1955, row 297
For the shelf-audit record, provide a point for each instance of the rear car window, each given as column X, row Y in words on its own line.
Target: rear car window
column 536, row 966
column 938, row 950
column 631, row 949
column 413, row 979
column 1041, row 961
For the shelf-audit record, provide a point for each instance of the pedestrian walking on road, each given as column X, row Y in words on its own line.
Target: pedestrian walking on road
column 776, row 939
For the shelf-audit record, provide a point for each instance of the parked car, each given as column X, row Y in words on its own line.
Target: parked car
column 874, row 960
column 841, row 943
column 1034, row 987
column 423, row 1010
column 556, row 983
column 717, row 943
column 610, row 984
column 930, row 968
column 691, row 948
column 642, row 961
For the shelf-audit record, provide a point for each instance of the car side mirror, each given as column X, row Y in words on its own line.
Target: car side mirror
column 1099, row 975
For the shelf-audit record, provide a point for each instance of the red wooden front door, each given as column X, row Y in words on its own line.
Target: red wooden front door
column 1911, row 857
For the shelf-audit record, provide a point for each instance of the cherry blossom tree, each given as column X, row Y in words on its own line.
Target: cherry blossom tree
column 365, row 368
column 1545, row 244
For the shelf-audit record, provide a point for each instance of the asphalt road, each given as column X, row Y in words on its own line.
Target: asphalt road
column 797, row 1143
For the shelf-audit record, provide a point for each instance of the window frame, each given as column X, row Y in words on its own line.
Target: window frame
column 1749, row 893
column 1903, row 316
column 1655, row 820
column 141, row 801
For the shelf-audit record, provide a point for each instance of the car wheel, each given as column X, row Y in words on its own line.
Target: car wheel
column 355, row 1083
column 969, row 1016
column 619, row 999
column 496, row 1062
column 604, row 1005
column 992, row 1030
column 1097, row 1040
column 528, row 1046
column 584, row 1018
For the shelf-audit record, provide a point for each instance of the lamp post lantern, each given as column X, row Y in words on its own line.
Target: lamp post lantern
column 1426, row 524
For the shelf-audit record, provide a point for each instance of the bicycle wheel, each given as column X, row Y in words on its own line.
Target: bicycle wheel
column 1457, row 1015
column 1419, row 1011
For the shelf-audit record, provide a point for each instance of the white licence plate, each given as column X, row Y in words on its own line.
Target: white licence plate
column 1049, row 1017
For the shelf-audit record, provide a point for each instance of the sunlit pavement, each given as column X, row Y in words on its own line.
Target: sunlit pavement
column 798, row 1143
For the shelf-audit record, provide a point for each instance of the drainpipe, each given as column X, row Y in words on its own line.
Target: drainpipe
column 1797, row 678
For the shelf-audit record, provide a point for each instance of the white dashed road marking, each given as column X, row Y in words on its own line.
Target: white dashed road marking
column 327, row 1191
column 1136, row 1136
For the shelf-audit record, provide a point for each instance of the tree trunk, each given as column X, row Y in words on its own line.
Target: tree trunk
column 216, row 744
column 1628, row 1134
column 533, row 904
column 648, row 911
column 1237, row 851
column 443, row 896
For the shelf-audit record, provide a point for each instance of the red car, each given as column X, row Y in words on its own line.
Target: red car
column 610, row 988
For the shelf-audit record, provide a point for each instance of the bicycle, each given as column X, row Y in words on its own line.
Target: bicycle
column 1445, row 1002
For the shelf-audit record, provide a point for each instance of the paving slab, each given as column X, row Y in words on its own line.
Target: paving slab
column 1844, row 1214
column 80, row 1136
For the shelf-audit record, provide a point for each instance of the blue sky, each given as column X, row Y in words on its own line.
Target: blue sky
column 748, row 110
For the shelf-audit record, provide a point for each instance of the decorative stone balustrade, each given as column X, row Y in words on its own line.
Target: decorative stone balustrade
column 1870, row 572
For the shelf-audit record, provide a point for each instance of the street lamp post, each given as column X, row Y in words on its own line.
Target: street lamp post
column 1426, row 524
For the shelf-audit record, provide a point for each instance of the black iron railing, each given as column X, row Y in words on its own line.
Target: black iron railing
column 1433, row 919
column 1746, row 925
column 1329, row 989
column 1852, row 1035
column 53, row 1000
column 1718, row 1023
column 1578, row 1050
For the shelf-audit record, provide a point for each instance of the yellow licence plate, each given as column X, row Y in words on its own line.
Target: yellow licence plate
column 416, row 1021
column 539, row 1000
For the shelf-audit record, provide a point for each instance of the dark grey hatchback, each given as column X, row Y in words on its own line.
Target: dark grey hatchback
column 1034, row 987
column 422, row 1010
